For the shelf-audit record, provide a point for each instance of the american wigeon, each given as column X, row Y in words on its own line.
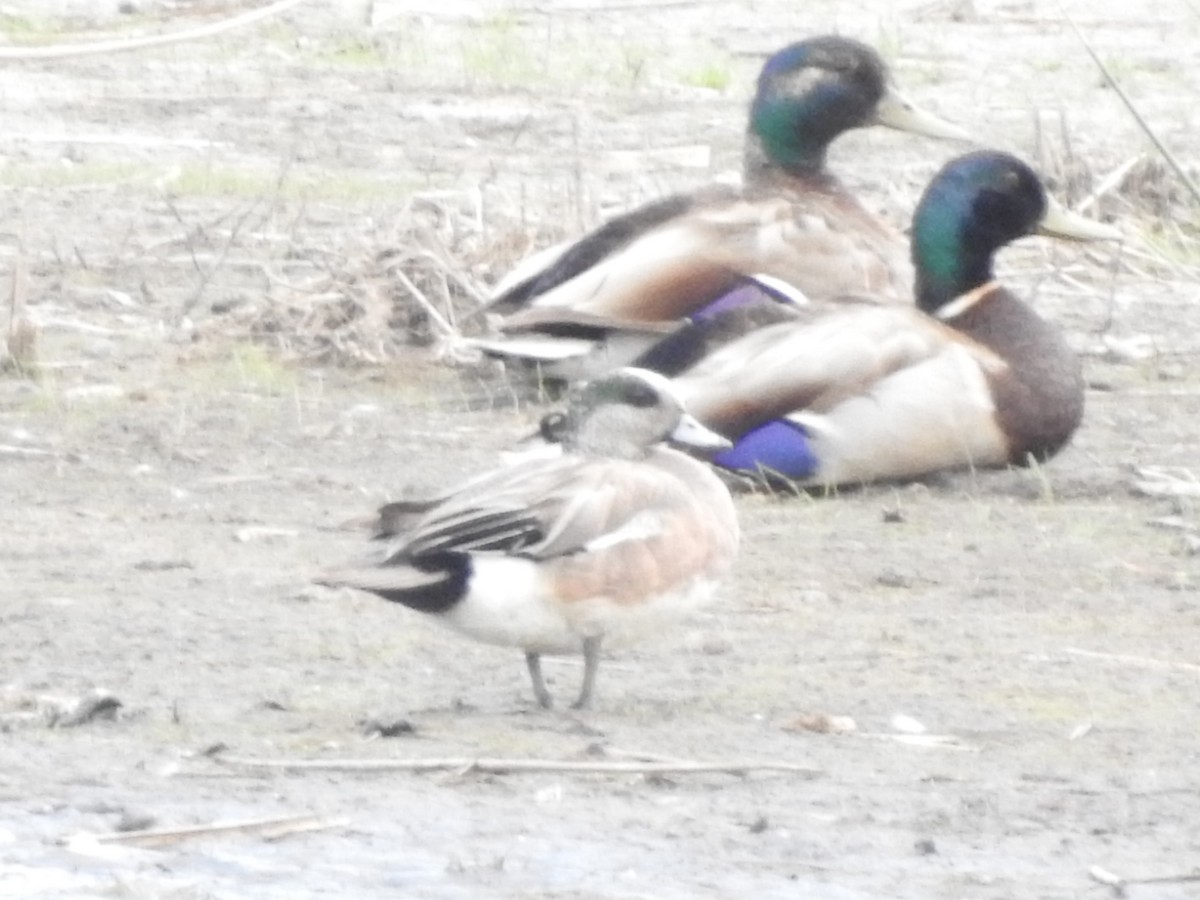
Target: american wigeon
column 615, row 536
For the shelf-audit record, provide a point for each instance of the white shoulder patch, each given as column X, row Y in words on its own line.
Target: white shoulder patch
column 644, row 525
column 783, row 288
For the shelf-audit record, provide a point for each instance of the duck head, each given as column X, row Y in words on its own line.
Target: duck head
column 624, row 414
column 814, row 90
column 971, row 208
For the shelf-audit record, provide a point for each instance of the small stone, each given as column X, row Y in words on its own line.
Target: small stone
column 1172, row 372
column 387, row 728
column 894, row 579
column 96, row 705
column 907, row 724
column 822, row 723
column 133, row 821
column 812, row 597
column 162, row 565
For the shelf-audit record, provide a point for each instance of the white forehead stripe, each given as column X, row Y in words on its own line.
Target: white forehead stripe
column 660, row 383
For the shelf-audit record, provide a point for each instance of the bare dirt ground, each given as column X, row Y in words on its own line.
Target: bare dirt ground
column 169, row 484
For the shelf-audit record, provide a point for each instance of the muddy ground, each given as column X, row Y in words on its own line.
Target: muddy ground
column 168, row 485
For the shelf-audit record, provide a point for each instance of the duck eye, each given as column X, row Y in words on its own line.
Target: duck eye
column 552, row 427
column 641, row 395
column 1011, row 181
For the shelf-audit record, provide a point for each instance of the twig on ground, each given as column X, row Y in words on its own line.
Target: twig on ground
column 138, row 141
column 207, row 275
column 643, row 756
column 14, row 450
column 1141, row 662
column 931, row 741
column 498, row 766
column 1102, row 875
column 21, row 343
column 270, row 829
column 1109, row 181
column 1119, row 883
column 1159, row 481
column 118, row 45
column 462, row 281
column 447, row 330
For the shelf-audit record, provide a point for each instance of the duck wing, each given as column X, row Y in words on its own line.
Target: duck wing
column 547, row 273
column 537, row 508
column 813, row 366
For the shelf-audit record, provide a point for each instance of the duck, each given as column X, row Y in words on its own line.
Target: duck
column 969, row 376
column 597, row 303
column 613, row 536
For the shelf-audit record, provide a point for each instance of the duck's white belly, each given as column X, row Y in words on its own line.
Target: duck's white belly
column 508, row 603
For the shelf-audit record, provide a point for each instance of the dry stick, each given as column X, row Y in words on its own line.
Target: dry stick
column 461, row 280
column 1146, row 129
column 497, row 766
column 267, row 828
column 443, row 326
column 1130, row 250
column 1144, row 662
column 16, row 450
column 1104, row 876
column 189, row 231
column 594, row 9
column 641, row 756
column 62, row 51
column 1110, row 181
column 1165, row 879
column 207, row 275
column 21, row 342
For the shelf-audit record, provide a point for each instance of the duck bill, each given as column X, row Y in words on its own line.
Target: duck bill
column 897, row 111
column 1060, row 222
column 691, row 433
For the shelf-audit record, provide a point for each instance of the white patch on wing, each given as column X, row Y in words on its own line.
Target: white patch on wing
column 816, row 425
column 782, row 288
column 533, row 449
column 645, row 524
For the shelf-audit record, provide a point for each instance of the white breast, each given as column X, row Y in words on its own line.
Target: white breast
column 508, row 604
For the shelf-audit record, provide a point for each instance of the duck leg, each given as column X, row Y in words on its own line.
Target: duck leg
column 591, row 662
column 534, row 663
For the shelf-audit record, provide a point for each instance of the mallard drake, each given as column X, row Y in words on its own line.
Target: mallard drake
column 614, row 536
column 619, row 288
column 970, row 376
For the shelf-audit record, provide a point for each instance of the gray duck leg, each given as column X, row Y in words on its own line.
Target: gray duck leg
column 591, row 662
column 534, row 662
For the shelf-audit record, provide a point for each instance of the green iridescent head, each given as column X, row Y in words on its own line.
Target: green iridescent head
column 812, row 91
column 975, row 205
